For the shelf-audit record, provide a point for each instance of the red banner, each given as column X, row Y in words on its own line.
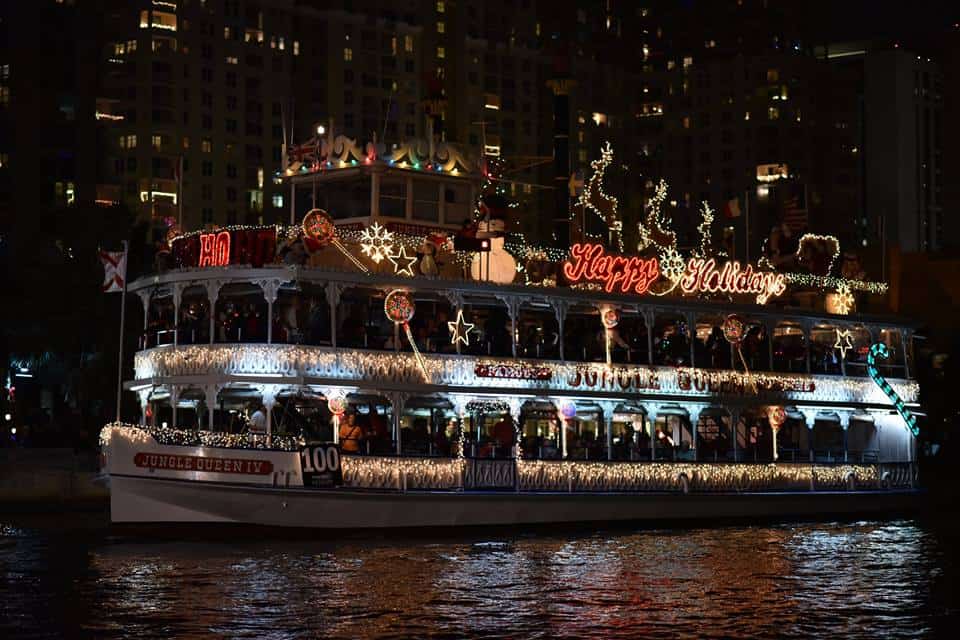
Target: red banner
column 202, row 463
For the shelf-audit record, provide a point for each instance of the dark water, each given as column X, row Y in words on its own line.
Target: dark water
column 73, row 578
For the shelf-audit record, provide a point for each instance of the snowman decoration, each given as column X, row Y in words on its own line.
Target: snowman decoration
column 497, row 265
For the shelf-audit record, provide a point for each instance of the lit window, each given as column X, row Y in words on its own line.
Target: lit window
column 4, row 96
column 144, row 19
column 157, row 142
column 206, row 145
column 118, row 49
column 186, row 142
column 746, row 115
column 686, row 122
column 232, row 60
column 582, row 155
column 226, row 33
column 347, row 54
column 441, row 52
column 671, row 65
column 440, row 6
column 131, row 46
column 441, row 27
column 687, row 62
column 4, row 160
column 798, row 115
column 260, row 177
column 273, row 42
column 277, row 200
column 599, row 118
column 162, row 20
column 491, row 101
column 773, row 113
column 536, row 29
column 282, row 44
column 773, row 75
column 408, row 44
column 296, row 47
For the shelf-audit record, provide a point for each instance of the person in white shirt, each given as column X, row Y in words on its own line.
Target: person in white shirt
column 258, row 421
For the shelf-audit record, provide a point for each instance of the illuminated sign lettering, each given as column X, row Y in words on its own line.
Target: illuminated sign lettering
column 703, row 276
column 590, row 262
column 215, row 249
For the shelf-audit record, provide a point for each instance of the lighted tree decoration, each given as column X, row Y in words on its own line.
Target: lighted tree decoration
column 595, row 199
column 319, row 231
column 777, row 416
column 704, row 231
column 399, row 308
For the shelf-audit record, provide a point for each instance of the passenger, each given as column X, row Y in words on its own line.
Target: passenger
column 258, row 421
column 351, row 435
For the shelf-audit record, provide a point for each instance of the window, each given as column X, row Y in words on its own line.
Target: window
column 232, row 60
column 277, row 200
column 207, row 215
column 491, row 101
column 231, row 171
column 4, row 96
column 296, row 47
column 186, row 142
column 206, row 145
column 128, row 141
column 441, row 27
column 5, row 161
column 393, row 197
column 773, row 113
column 347, row 54
column 686, row 122
column 231, row 194
column 441, row 7
column 441, row 52
column 206, row 168
column 157, row 142
column 408, row 44
column 773, row 75
column 206, row 192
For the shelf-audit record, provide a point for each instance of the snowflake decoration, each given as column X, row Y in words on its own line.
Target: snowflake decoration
column 672, row 265
column 844, row 299
column 376, row 242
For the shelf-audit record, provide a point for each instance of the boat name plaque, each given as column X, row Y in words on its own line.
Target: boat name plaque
column 203, row 463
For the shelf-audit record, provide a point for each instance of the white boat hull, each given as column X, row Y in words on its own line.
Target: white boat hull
column 156, row 500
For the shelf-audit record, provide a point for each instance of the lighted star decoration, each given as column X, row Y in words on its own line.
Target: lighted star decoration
column 402, row 262
column 844, row 342
column 376, row 242
column 844, row 299
column 460, row 330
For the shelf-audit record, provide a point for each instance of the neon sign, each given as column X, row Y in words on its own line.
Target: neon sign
column 590, row 262
column 215, row 249
column 703, row 276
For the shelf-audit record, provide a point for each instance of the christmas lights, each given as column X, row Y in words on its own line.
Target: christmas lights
column 844, row 342
column 591, row 263
column 594, row 198
column 376, row 242
column 703, row 275
column 703, row 231
column 460, row 330
column 402, row 263
column 240, row 363
column 880, row 350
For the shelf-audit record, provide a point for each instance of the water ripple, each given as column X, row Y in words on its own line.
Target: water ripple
column 854, row 580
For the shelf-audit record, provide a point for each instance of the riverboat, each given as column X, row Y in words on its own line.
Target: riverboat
column 374, row 365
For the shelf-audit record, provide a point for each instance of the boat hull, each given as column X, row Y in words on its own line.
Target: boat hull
column 155, row 500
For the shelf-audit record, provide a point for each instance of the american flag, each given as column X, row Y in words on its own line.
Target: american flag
column 795, row 213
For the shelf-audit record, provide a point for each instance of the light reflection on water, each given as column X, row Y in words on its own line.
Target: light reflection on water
column 865, row 579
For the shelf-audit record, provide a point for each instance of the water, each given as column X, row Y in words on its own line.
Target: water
column 74, row 578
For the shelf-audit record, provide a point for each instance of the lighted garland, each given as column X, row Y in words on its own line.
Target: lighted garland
column 880, row 350
column 190, row 438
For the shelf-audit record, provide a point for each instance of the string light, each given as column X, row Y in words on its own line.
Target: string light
column 844, row 342
column 402, row 263
column 703, row 230
column 810, row 238
column 376, row 242
column 844, row 300
column 460, row 330
column 880, row 350
column 595, row 199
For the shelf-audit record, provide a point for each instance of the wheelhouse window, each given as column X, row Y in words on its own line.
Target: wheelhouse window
column 426, row 200
column 393, row 197
column 789, row 348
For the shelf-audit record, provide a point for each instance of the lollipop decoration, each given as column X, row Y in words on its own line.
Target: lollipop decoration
column 610, row 318
column 319, row 230
column 735, row 330
column 399, row 307
column 880, row 350
column 337, row 406
column 778, row 417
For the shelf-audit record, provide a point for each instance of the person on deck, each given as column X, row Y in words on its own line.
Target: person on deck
column 258, row 421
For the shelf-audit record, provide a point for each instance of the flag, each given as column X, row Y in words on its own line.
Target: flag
column 732, row 208
column 114, row 270
column 795, row 213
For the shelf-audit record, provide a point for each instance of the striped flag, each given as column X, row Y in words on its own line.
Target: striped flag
column 114, row 270
column 795, row 212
